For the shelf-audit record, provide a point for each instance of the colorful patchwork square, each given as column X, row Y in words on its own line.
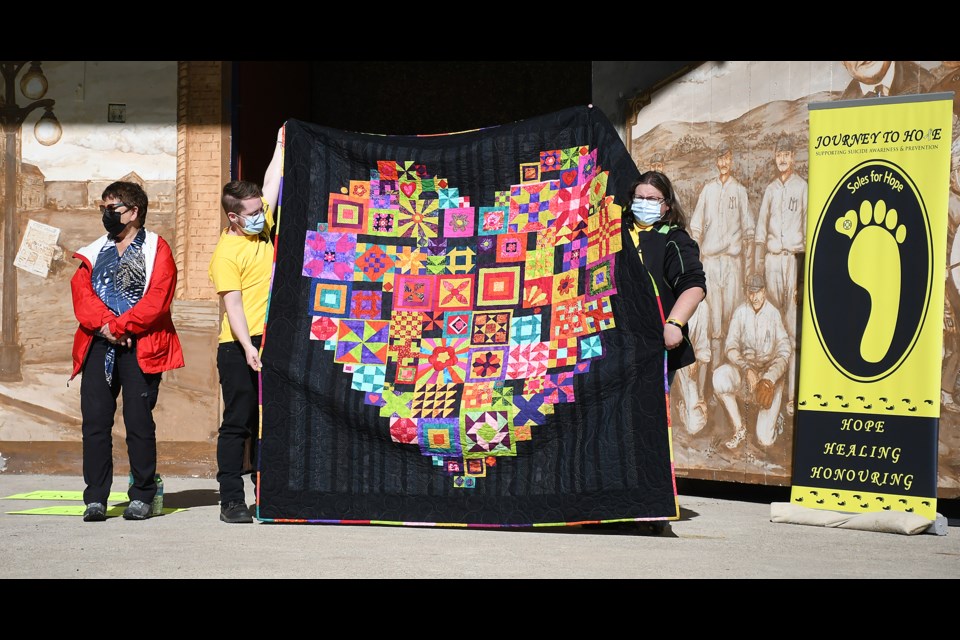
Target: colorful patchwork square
column 448, row 198
column 331, row 298
column 413, row 293
column 491, row 327
column 461, row 260
column 486, row 251
column 396, row 405
column 406, row 170
column 563, row 353
column 529, row 411
column 528, row 361
column 456, row 324
column 598, row 314
column 455, row 292
column 487, row 433
column 436, row 247
column 387, row 169
column 522, row 432
column 534, row 386
column 406, row 374
column 403, row 430
column 501, row 199
column 493, row 220
column 362, row 341
column 566, row 285
column 600, row 279
column 478, row 395
column 568, row 319
column 410, row 189
column 603, row 232
column 382, row 222
column 464, row 482
column 418, row 219
column 453, row 466
column 537, row 293
column 598, row 187
column 587, row 166
column 591, row 347
column 503, row 397
column 432, row 322
column 499, row 286
column 434, row 401
column 323, row 328
column 329, row 255
column 442, row 361
column 436, row 265
column 511, row 247
column 568, row 178
column 525, row 329
column 550, row 160
column 487, row 364
column 408, row 260
column 547, row 238
column 558, row 388
column 366, row 304
column 360, row 189
column 459, row 223
column 575, row 254
column 368, row 378
column 345, row 213
column 372, row 262
column 570, row 158
column 539, row 263
column 385, row 203
column 529, row 172
column 440, row 437
column 475, row 467
column 405, row 326
column 389, row 188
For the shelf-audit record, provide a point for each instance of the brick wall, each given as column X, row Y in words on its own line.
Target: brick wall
column 203, row 148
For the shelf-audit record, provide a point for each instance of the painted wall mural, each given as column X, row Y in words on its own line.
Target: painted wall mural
column 118, row 121
column 733, row 138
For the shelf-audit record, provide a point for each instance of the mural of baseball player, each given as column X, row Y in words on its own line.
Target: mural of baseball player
column 757, row 350
column 722, row 225
column 691, row 407
column 781, row 225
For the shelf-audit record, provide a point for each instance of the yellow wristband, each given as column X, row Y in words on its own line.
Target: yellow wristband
column 675, row 322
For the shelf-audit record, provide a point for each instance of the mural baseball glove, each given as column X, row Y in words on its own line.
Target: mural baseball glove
column 764, row 393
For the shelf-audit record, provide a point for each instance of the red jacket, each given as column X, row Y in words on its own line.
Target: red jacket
column 149, row 321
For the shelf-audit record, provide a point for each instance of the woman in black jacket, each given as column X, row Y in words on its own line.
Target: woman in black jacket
column 657, row 227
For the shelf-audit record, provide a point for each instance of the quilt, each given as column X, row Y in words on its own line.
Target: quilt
column 455, row 336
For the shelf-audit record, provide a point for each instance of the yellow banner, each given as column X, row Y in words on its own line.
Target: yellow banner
column 868, row 405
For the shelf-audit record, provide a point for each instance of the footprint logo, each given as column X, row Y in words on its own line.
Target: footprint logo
column 870, row 271
column 875, row 242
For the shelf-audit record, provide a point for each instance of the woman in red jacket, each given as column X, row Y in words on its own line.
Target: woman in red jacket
column 122, row 293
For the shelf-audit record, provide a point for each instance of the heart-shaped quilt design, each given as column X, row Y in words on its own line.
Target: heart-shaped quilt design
column 466, row 321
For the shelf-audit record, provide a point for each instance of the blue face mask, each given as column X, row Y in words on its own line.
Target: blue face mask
column 254, row 224
column 645, row 212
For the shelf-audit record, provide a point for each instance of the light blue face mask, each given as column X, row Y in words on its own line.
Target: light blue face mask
column 645, row 212
column 254, row 224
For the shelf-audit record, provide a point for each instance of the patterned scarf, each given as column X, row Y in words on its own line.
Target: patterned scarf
column 118, row 281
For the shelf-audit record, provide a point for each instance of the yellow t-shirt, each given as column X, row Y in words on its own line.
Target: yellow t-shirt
column 244, row 263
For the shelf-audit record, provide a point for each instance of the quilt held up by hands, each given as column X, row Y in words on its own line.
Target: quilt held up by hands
column 454, row 336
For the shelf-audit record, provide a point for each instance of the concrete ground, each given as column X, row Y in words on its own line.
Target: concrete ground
column 717, row 536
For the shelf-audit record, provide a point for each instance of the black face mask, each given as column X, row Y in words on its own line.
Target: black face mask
column 111, row 222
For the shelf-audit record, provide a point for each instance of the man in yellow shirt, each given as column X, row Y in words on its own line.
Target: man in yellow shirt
column 240, row 269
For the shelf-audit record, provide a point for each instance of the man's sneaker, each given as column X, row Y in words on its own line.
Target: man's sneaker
column 137, row 510
column 95, row 512
column 235, row 512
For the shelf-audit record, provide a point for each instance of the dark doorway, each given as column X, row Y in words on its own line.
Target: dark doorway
column 393, row 97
